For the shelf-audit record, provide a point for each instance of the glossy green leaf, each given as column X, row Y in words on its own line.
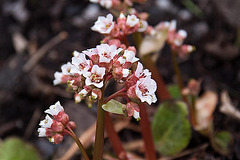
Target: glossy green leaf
column 174, row 91
column 113, row 106
column 16, row 149
column 221, row 141
column 171, row 128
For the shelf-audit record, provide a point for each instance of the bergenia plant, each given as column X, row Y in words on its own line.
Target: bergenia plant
column 89, row 72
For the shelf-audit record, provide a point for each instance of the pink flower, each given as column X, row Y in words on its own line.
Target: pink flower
column 107, row 53
column 47, row 122
column 132, row 20
column 140, row 73
column 143, row 26
column 41, row 132
column 145, row 90
column 55, row 109
column 95, row 77
column 58, row 78
column 128, row 56
column 81, row 64
column 106, row 3
column 66, row 68
column 104, row 25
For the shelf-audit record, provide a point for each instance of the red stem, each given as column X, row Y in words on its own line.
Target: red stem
column 146, row 133
column 114, row 138
column 116, row 94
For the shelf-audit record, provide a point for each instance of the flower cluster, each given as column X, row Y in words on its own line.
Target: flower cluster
column 89, row 71
column 116, row 4
column 55, row 128
column 118, row 31
column 176, row 38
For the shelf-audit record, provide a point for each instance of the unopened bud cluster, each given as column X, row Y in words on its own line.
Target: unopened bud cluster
column 55, row 128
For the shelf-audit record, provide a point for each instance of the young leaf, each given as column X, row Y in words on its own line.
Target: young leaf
column 113, row 106
column 171, row 128
column 220, row 142
column 153, row 43
column 15, row 148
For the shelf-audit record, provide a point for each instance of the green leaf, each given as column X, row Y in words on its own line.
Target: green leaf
column 220, row 142
column 16, row 149
column 113, row 106
column 174, row 91
column 171, row 128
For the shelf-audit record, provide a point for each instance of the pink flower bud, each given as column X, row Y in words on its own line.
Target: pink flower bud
column 115, row 42
column 117, row 73
column 131, row 81
column 98, row 92
column 72, row 125
column 62, row 117
column 131, row 92
column 116, row 4
column 123, row 46
column 143, row 15
column 57, row 127
column 49, row 132
column 58, row 138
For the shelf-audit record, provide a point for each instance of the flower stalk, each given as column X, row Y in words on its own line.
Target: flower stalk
column 80, row 146
column 99, row 138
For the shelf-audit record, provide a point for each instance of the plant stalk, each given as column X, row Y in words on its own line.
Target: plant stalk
column 99, row 137
column 80, row 146
column 181, row 85
column 114, row 138
column 147, row 133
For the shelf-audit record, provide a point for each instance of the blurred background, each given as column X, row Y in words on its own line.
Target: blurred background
column 37, row 37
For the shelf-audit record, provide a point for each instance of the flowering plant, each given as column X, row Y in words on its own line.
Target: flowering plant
column 89, row 71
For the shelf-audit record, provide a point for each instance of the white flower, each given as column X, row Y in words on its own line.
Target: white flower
column 95, row 77
column 136, row 115
column 58, row 78
column 41, row 132
column 54, row 109
column 143, row 26
column 47, row 122
column 76, row 53
column 83, row 93
column 51, row 140
column 104, row 25
column 107, row 53
column 128, row 56
column 173, row 25
column 80, row 63
column 91, row 52
column 182, row 33
column 140, row 73
column 94, row 1
column 66, row 68
column 125, row 72
column 145, row 90
column 106, row 3
column 132, row 20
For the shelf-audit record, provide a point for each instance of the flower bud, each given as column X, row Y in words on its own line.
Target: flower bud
column 98, row 92
column 72, row 125
column 58, row 138
column 131, row 93
column 57, row 127
column 115, row 42
column 62, row 117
